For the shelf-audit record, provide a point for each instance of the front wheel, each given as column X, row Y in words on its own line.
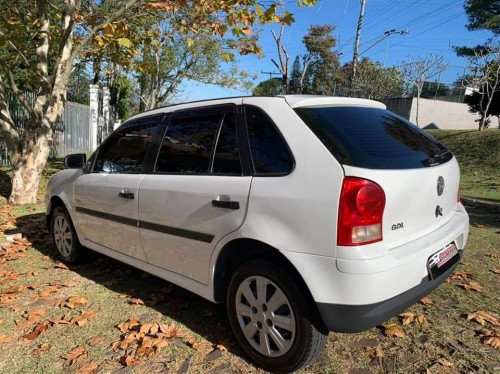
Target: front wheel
column 272, row 319
column 64, row 237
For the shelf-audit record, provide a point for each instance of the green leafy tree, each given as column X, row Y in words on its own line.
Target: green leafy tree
column 375, row 82
column 315, row 71
column 321, row 62
column 483, row 15
column 46, row 38
column 296, row 76
column 172, row 57
column 270, row 87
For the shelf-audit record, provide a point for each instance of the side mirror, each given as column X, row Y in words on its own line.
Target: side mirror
column 75, row 161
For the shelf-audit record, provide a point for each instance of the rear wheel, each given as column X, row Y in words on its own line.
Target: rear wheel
column 64, row 237
column 272, row 319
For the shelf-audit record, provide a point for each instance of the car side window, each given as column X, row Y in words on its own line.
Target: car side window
column 270, row 154
column 227, row 155
column 188, row 143
column 124, row 151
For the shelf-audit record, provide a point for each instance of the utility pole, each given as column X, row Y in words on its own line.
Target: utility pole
column 356, row 43
column 271, row 73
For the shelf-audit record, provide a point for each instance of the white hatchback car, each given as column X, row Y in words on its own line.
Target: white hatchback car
column 304, row 214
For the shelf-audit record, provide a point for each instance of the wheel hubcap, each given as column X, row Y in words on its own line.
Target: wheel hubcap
column 265, row 316
column 62, row 235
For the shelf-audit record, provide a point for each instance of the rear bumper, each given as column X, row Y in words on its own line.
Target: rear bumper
column 356, row 318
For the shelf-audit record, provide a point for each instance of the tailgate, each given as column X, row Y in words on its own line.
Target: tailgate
column 418, row 201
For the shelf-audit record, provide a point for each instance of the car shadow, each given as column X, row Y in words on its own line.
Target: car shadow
column 483, row 218
column 201, row 316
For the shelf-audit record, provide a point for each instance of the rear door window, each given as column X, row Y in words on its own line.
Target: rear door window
column 201, row 141
column 373, row 138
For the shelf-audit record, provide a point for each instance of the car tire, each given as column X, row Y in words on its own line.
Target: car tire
column 64, row 237
column 272, row 319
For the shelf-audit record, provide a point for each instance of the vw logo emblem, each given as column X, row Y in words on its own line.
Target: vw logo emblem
column 440, row 186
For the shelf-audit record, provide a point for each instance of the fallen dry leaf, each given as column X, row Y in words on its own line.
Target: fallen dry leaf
column 84, row 317
column 75, row 301
column 493, row 341
column 221, row 348
column 65, row 319
column 42, row 348
column 393, row 330
column 374, row 352
column 482, row 317
column 36, row 331
column 427, row 301
column 461, row 275
column 70, row 284
column 496, row 271
column 408, row 318
column 88, row 368
column 96, row 341
column 26, row 323
column 33, row 313
column 60, row 265
column 76, row 354
column 131, row 324
column 170, row 331
column 7, row 299
column 5, row 339
column 49, row 290
column 443, row 362
column 135, row 301
column 55, row 302
column 193, row 344
column 421, row 319
column 149, row 328
column 130, row 360
column 474, row 286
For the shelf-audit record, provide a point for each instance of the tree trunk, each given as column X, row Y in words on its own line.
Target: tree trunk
column 28, row 169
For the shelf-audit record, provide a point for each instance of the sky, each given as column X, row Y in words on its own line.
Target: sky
column 434, row 27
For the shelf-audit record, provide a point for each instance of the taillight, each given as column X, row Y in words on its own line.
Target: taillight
column 361, row 209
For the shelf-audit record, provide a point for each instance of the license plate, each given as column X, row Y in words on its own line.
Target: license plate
column 442, row 260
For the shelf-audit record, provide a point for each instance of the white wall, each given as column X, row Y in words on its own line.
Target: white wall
column 444, row 115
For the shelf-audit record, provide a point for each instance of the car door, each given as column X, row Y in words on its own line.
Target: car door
column 106, row 199
column 197, row 193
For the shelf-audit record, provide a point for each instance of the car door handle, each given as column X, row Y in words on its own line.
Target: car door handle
column 125, row 194
column 234, row 205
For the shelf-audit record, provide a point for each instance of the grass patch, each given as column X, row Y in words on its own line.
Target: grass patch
column 479, row 157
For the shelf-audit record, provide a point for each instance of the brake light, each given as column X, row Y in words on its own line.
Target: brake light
column 361, row 208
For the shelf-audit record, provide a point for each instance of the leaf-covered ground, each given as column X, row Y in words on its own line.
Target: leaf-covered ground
column 104, row 317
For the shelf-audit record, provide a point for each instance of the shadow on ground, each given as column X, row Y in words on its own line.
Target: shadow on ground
column 201, row 316
column 479, row 217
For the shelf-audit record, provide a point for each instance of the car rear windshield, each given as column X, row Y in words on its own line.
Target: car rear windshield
column 373, row 138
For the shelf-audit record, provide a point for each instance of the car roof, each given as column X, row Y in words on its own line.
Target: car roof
column 295, row 101
column 300, row 101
